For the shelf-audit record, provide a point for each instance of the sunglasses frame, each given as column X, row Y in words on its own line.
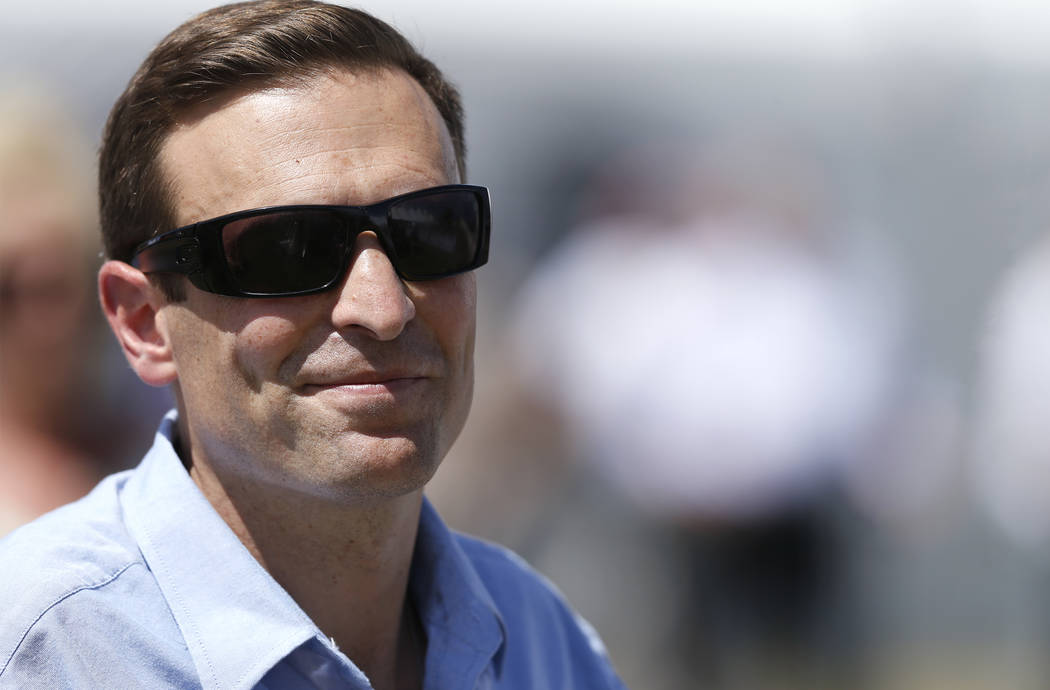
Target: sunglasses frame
column 196, row 250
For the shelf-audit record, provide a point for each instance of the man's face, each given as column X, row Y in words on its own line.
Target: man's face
column 355, row 392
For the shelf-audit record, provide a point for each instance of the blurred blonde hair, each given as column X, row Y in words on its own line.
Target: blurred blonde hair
column 46, row 170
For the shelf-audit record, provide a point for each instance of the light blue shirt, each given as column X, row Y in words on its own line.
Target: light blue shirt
column 142, row 585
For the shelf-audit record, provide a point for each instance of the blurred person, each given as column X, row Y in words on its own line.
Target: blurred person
column 1012, row 445
column 321, row 355
column 47, row 221
column 720, row 354
column 756, row 337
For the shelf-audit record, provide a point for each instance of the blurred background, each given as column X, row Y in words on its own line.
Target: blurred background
column 761, row 380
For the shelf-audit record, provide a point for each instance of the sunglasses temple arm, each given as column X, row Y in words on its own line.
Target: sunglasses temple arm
column 177, row 255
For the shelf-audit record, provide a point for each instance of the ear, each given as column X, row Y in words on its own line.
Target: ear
column 131, row 305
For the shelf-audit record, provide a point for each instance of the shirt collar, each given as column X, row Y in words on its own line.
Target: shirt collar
column 465, row 631
column 238, row 622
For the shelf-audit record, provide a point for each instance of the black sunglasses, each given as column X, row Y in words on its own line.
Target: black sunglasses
column 282, row 251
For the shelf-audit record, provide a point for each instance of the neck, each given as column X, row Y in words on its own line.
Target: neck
column 347, row 566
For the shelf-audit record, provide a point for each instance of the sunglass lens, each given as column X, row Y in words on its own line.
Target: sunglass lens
column 435, row 235
column 289, row 252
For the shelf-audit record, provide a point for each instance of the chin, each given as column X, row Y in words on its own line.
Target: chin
column 370, row 467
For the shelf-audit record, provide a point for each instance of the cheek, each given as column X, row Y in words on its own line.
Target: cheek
column 448, row 308
column 203, row 355
column 260, row 348
column 226, row 348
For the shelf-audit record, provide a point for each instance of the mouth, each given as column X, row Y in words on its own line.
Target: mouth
column 366, row 384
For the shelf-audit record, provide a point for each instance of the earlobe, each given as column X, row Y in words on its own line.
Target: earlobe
column 131, row 306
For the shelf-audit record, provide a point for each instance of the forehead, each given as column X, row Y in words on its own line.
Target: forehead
column 337, row 138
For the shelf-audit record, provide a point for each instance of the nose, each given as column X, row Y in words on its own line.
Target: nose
column 372, row 297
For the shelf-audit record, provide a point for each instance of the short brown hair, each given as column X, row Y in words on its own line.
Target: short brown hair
column 231, row 47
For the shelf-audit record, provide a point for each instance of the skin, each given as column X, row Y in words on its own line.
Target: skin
column 313, row 423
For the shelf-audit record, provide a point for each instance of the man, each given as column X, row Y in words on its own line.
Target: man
column 321, row 357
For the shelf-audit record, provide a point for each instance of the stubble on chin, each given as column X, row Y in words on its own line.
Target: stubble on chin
column 343, row 457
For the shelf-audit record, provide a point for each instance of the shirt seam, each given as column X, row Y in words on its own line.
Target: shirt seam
column 56, row 602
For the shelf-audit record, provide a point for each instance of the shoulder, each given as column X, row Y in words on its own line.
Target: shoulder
column 80, row 545
column 538, row 622
column 520, row 592
column 74, row 582
column 502, row 569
